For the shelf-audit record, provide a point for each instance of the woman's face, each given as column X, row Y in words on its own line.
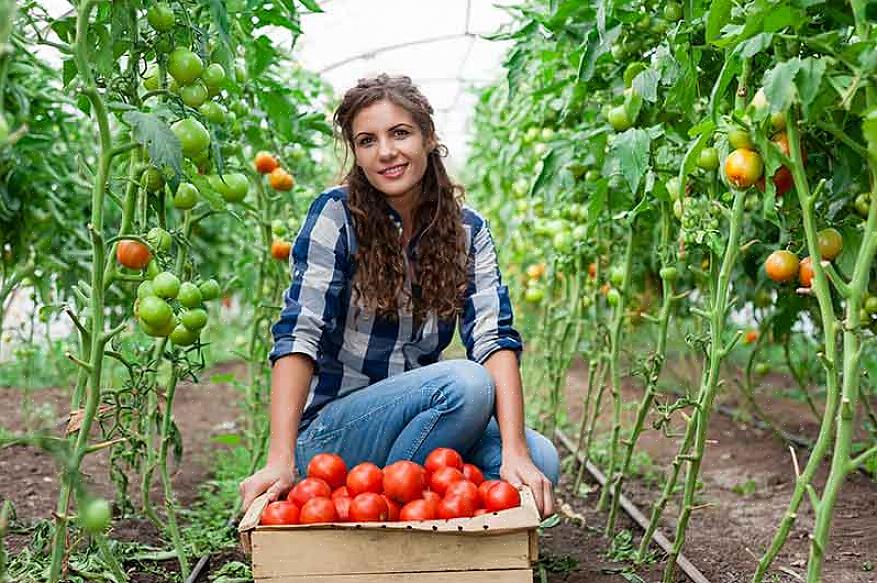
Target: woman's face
column 390, row 149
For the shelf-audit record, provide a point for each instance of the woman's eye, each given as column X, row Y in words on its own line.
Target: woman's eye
column 401, row 133
column 364, row 141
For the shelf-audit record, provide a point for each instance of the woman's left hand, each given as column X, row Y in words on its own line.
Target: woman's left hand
column 519, row 469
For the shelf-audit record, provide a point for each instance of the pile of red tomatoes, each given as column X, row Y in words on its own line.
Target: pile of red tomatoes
column 443, row 488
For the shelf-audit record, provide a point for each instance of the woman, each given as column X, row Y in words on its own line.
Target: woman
column 381, row 270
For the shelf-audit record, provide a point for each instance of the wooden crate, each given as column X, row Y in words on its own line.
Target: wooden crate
column 493, row 548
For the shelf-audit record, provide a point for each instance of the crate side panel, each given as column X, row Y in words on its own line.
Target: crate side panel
column 494, row 576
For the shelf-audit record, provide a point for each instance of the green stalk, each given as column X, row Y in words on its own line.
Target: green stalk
column 820, row 288
column 615, row 337
column 169, row 498
column 146, row 430
column 98, row 339
column 583, row 425
column 110, row 559
column 653, row 375
column 600, row 382
column 717, row 353
column 558, row 372
column 799, row 378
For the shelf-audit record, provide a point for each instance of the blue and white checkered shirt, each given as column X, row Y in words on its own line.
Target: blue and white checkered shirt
column 353, row 349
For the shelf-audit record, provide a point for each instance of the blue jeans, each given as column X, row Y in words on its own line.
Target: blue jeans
column 406, row 416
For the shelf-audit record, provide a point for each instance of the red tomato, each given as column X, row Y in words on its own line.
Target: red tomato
column 433, row 499
column 365, row 477
column 342, row 507
column 441, row 457
column 392, row 507
column 466, row 489
column 404, row 481
column 484, row 487
column 328, row 467
column 456, row 507
column 502, row 496
column 307, row 489
column 319, row 509
column 418, row 510
column 444, row 477
column 342, row 491
column 369, row 507
column 280, row 512
column 473, row 474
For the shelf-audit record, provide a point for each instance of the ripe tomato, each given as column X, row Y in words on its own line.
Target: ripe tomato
column 750, row 337
column 433, row 499
column 743, row 168
column 265, row 163
column 441, row 457
column 781, row 266
column 369, row 507
column 455, row 507
column 805, row 272
column 281, row 180
column 330, row 468
column 365, row 477
column 484, row 487
column 280, row 512
column 160, row 17
column 418, row 510
column 340, row 492
column 280, row 249
column 184, row 65
column 404, row 481
column 342, row 507
column 466, row 489
column 473, row 474
column 307, row 489
column 194, row 137
column 480, row 511
column 831, row 243
column 132, row 254
column 392, row 508
column 319, row 509
column 592, row 270
column 502, row 496
column 444, row 477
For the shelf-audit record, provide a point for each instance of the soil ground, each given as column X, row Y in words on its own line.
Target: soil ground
column 747, row 474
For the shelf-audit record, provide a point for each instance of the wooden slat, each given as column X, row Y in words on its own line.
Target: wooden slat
column 502, row 576
column 285, row 553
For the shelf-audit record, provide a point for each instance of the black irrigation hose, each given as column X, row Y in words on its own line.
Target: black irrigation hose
column 630, row 508
column 202, row 562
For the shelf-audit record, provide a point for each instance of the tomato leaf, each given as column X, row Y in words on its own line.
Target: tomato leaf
column 779, row 84
column 720, row 13
column 220, row 17
column 164, row 147
column 646, row 84
column 631, row 148
column 549, row 170
column 810, row 80
column 311, row 5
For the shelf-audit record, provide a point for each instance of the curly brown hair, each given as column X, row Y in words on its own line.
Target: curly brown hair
column 440, row 269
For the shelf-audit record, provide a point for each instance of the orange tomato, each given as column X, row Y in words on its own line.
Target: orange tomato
column 132, row 254
column 743, row 168
column 280, row 249
column 805, row 272
column 750, row 337
column 781, row 266
column 265, row 163
column 281, row 180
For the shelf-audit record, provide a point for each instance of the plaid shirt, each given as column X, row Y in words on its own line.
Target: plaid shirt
column 353, row 349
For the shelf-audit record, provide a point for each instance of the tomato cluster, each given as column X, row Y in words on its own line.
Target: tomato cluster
column 443, row 488
column 783, row 266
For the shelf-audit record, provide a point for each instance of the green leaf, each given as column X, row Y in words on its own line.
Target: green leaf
column 549, row 171
column 810, row 80
column 631, row 148
column 720, row 13
column 222, row 378
column 646, row 84
column 593, row 47
column 515, row 65
column 164, row 147
column 227, row 439
column 220, row 18
column 311, row 5
column 779, row 84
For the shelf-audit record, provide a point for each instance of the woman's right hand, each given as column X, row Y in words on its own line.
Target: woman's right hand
column 274, row 479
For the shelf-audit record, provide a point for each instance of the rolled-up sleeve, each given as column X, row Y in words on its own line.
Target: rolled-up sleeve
column 486, row 320
column 318, row 264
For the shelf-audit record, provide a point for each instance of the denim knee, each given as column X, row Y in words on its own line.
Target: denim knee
column 472, row 387
column 544, row 455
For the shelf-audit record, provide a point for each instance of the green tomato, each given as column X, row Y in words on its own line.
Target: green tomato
column 762, row 368
column 152, row 79
column 233, row 187
column 212, row 112
column 160, row 17
column 240, row 72
column 166, row 285
column 863, row 204
column 708, row 159
column 152, row 179
column 563, row 241
column 613, row 297
column 739, row 138
column 210, row 289
column 580, row 232
column 194, row 319
column 189, row 295
column 534, row 295
column 618, row 119
column 616, row 276
column 194, row 137
column 184, row 65
column 213, row 75
column 672, row 11
column 547, row 134
column 145, row 290
column 763, row 298
column 95, row 515
column 194, row 95
column 155, row 312
column 778, row 120
column 159, row 239
column 186, row 196
column 182, row 336
column 871, row 305
column 152, row 268
column 669, row 274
